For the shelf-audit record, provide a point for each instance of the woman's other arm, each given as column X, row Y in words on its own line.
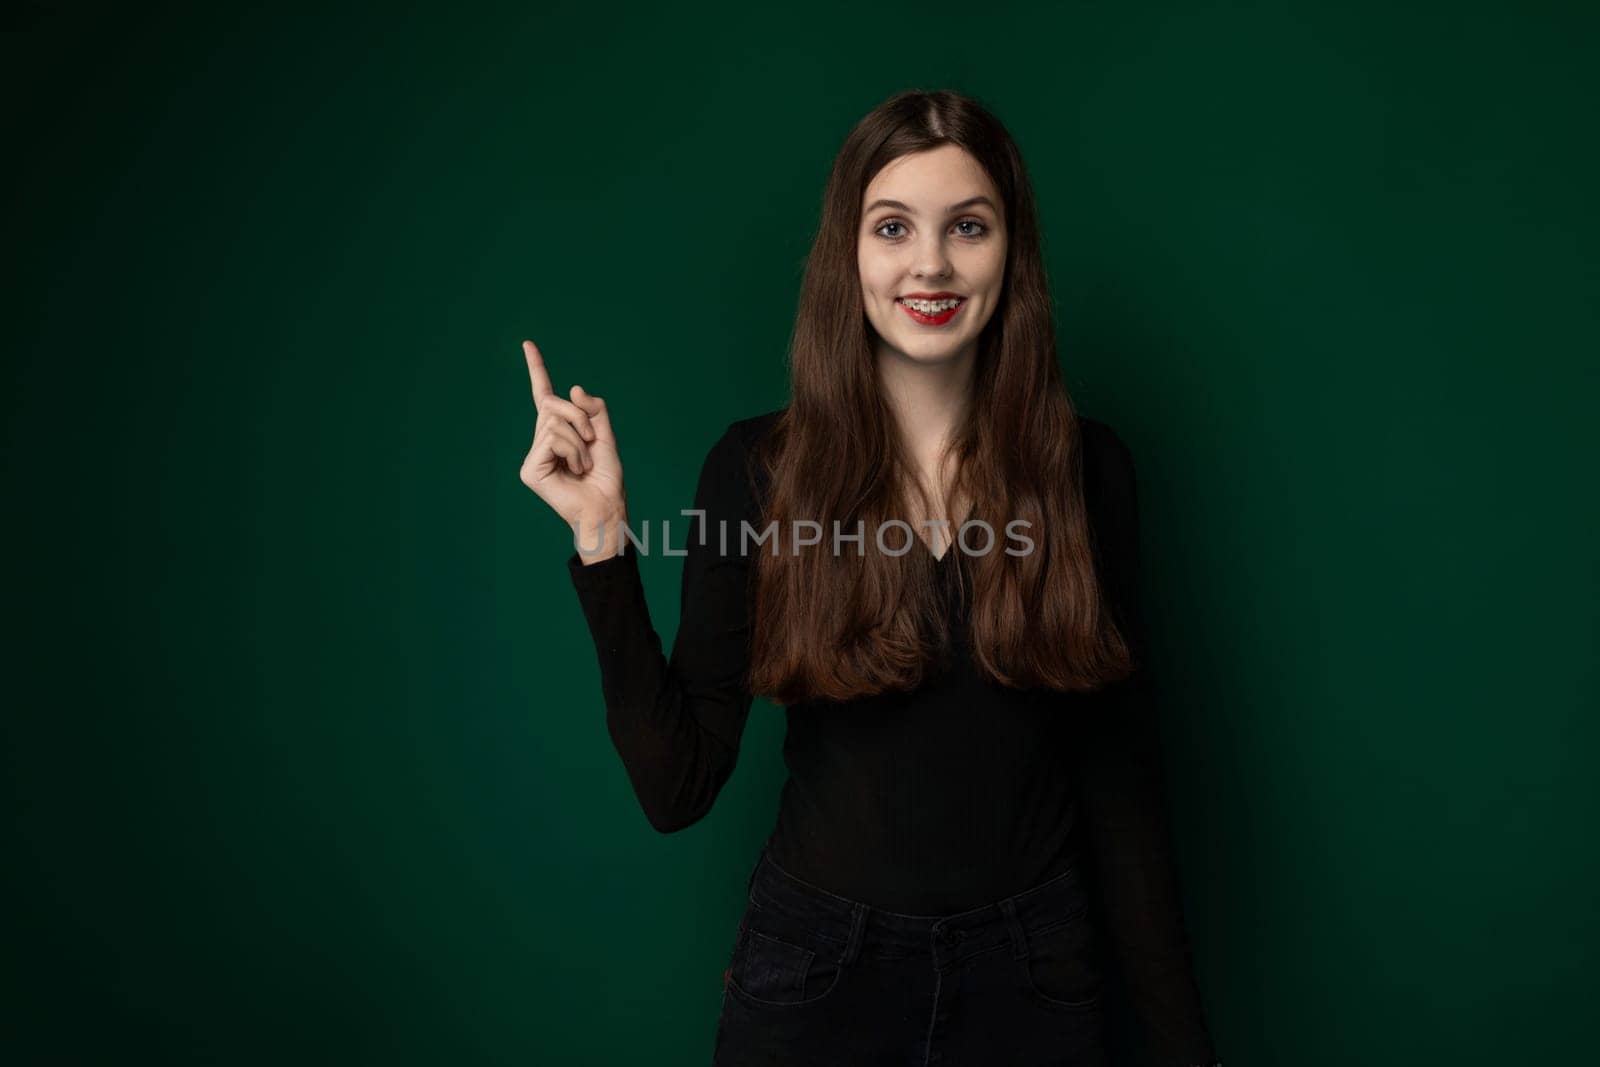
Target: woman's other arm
column 1123, row 792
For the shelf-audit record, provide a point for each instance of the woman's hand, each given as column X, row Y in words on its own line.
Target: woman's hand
column 573, row 465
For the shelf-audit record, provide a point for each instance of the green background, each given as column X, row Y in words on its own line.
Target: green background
column 304, row 751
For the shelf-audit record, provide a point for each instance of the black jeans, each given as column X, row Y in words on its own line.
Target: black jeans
column 816, row 978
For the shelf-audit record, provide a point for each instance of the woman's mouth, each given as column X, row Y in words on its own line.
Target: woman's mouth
column 932, row 312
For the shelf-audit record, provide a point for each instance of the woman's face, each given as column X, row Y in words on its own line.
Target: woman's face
column 941, row 235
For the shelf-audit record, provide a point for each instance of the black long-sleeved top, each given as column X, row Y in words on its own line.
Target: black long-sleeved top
column 955, row 795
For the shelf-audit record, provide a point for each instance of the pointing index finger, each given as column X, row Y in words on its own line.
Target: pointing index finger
column 537, row 375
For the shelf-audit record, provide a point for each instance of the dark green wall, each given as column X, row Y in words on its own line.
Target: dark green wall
column 304, row 753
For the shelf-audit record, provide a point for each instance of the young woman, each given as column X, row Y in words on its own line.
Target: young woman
column 974, row 789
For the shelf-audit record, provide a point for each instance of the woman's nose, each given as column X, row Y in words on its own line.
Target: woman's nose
column 932, row 261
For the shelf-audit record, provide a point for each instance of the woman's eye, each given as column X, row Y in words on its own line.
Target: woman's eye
column 983, row 228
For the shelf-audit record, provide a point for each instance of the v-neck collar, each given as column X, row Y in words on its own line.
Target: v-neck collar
column 938, row 561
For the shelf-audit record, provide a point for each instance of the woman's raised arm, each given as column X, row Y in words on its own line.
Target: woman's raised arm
column 676, row 724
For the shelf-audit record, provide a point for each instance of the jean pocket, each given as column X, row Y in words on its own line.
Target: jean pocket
column 775, row 964
column 1060, row 970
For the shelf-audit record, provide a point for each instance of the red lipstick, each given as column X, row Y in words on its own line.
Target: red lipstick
column 937, row 318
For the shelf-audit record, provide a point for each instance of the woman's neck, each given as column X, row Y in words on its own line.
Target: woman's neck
column 928, row 400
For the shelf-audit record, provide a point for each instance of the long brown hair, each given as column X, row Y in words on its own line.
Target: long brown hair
column 835, row 626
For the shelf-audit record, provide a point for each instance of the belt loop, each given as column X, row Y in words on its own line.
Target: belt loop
column 1019, row 940
column 858, row 929
column 750, row 883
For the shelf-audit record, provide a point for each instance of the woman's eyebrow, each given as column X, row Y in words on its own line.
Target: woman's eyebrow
column 969, row 202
